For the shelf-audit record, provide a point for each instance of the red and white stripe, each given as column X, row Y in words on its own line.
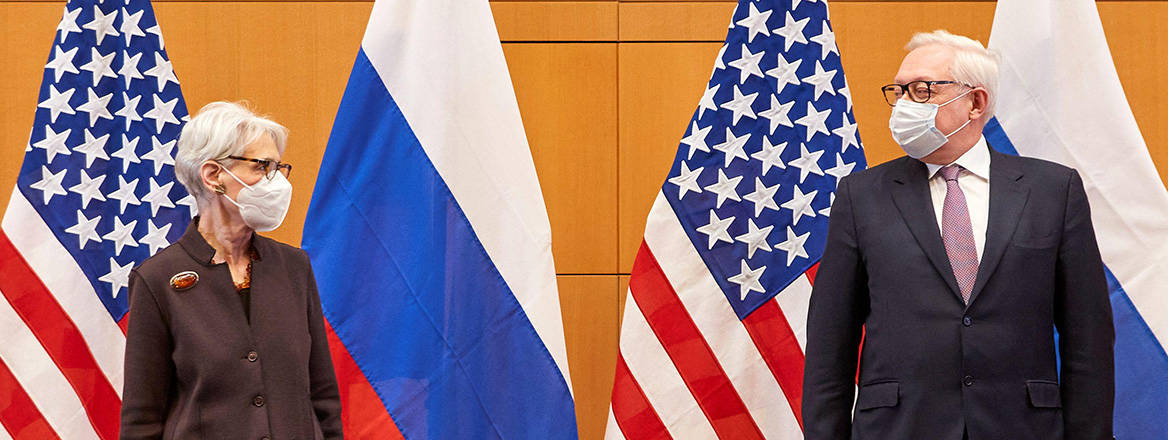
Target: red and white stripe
column 61, row 354
column 688, row 367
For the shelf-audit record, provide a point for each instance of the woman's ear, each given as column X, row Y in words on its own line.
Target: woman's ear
column 981, row 100
column 209, row 173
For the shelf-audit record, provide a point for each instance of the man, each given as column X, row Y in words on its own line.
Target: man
column 955, row 265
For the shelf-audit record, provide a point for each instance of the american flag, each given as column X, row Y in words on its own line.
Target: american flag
column 713, row 332
column 96, row 195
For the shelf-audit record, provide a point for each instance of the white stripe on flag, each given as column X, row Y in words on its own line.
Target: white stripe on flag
column 57, row 269
column 480, row 150
column 650, row 365
column 41, row 379
column 718, row 323
column 612, row 430
column 4, row 435
column 794, row 301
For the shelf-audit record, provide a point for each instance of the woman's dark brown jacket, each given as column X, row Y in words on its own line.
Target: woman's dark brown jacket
column 196, row 368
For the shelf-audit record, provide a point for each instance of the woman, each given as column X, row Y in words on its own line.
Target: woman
column 226, row 338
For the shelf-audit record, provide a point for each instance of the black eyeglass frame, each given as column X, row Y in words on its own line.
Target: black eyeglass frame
column 266, row 166
column 904, row 90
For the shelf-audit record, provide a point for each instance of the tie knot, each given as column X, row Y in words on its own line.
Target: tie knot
column 950, row 172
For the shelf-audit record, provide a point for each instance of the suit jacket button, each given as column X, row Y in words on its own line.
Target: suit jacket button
column 258, row 401
column 252, row 356
column 967, row 321
column 968, row 381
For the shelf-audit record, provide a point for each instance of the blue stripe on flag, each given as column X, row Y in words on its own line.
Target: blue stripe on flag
column 1141, row 372
column 1141, row 365
column 411, row 291
column 996, row 137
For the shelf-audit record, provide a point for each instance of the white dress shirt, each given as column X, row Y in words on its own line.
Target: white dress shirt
column 974, row 181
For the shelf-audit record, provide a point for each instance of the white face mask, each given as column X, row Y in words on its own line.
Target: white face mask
column 263, row 205
column 914, row 126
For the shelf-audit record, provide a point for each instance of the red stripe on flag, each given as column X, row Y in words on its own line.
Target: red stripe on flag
column 690, row 352
column 814, row 270
column 633, row 413
column 18, row 414
column 59, row 335
column 860, row 354
column 362, row 413
column 772, row 334
column 124, row 322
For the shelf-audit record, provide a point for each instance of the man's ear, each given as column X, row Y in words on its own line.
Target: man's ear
column 209, row 173
column 981, row 100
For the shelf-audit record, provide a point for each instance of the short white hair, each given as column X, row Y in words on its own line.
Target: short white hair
column 973, row 64
column 220, row 129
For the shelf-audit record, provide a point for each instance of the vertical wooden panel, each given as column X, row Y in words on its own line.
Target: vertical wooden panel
column 567, row 96
column 660, row 84
column 623, row 295
column 1138, row 50
column 589, row 306
column 26, row 33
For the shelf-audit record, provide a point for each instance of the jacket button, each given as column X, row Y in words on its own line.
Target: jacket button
column 252, row 356
column 968, row 381
column 967, row 321
column 258, row 401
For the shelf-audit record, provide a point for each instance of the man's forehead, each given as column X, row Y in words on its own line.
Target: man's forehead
column 930, row 62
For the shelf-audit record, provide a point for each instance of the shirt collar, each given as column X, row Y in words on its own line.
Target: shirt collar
column 976, row 161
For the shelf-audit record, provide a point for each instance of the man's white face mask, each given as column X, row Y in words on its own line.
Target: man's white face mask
column 265, row 204
column 914, row 126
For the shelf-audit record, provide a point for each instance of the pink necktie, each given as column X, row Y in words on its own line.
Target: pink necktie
column 957, row 233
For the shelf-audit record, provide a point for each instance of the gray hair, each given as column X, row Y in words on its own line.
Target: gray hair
column 220, row 129
column 973, row 65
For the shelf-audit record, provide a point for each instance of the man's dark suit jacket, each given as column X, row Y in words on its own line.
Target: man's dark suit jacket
column 931, row 367
column 195, row 367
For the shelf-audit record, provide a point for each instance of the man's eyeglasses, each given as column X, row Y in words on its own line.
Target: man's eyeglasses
column 918, row 91
column 268, row 167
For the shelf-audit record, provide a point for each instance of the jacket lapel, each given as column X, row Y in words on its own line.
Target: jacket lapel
column 910, row 193
column 1007, row 199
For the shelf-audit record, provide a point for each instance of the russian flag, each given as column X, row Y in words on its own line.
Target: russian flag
column 430, row 240
column 1060, row 99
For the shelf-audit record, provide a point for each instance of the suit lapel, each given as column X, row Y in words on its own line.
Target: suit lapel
column 910, row 193
column 1007, row 199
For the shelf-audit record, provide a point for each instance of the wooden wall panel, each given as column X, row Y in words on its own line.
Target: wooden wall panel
column 26, row 30
column 590, row 312
column 622, row 296
column 692, row 21
column 567, row 96
column 556, row 21
column 660, row 84
column 1140, row 53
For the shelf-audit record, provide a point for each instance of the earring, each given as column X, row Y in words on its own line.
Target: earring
column 220, row 189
